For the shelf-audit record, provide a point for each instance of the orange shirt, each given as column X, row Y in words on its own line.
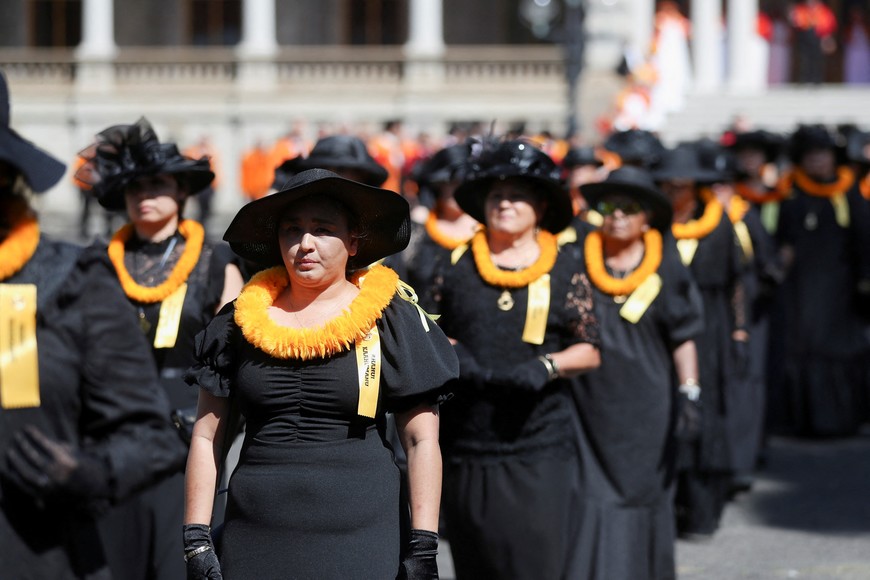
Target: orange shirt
column 257, row 173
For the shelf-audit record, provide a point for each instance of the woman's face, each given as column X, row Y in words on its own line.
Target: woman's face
column 681, row 192
column 751, row 161
column 316, row 241
column 625, row 218
column 512, row 207
column 819, row 163
column 153, row 199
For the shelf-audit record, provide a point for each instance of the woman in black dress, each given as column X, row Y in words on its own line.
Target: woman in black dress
column 824, row 234
column 649, row 311
column 314, row 352
column 521, row 316
column 706, row 242
column 177, row 281
column 83, row 420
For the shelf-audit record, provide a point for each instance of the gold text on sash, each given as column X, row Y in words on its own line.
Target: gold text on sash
column 538, row 311
column 19, row 364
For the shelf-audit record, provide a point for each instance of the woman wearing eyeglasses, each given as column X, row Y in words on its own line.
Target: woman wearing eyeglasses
column 649, row 311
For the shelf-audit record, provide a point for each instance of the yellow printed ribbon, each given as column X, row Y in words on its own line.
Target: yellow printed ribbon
column 368, row 364
column 170, row 318
column 770, row 216
column 457, row 253
column 19, row 364
column 640, row 300
column 538, row 310
column 841, row 210
column 406, row 292
column 566, row 236
column 745, row 239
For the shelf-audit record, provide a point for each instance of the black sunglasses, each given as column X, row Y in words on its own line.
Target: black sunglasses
column 626, row 207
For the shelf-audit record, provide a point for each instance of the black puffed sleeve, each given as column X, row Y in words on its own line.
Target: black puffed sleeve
column 215, row 354
column 418, row 363
column 682, row 310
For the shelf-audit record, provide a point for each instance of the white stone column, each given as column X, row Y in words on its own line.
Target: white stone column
column 641, row 16
column 747, row 57
column 425, row 29
column 98, row 31
column 258, row 46
column 707, row 51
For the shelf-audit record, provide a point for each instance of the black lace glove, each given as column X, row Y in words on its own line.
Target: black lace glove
column 46, row 469
column 420, row 561
column 470, row 370
column 531, row 375
column 202, row 561
column 688, row 428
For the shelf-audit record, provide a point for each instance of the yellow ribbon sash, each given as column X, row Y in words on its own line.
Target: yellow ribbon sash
column 687, row 248
column 745, row 240
column 170, row 318
column 19, row 365
column 770, row 216
column 537, row 311
column 841, row 210
column 368, row 363
column 457, row 253
column 639, row 301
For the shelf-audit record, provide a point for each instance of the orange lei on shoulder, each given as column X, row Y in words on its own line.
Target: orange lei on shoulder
column 594, row 254
column 737, row 208
column 752, row 195
column 439, row 237
column 194, row 236
column 252, row 315
column 20, row 245
column 701, row 227
column 864, row 187
column 845, row 180
column 494, row 276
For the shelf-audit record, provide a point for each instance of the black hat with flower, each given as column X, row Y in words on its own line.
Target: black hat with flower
column 124, row 153
column 517, row 159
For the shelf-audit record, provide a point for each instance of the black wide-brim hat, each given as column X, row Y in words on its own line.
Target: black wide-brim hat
column 771, row 144
column 40, row 169
column 638, row 184
column 636, row 147
column 521, row 160
column 336, row 152
column 383, row 216
column 124, row 153
column 684, row 162
column 812, row 137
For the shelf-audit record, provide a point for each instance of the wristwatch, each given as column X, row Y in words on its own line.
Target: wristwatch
column 691, row 389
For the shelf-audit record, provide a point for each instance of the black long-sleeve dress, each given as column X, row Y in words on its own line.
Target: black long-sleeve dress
column 626, row 436
column 511, row 492
column 99, row 391
column 827, row 353
column 316, row 490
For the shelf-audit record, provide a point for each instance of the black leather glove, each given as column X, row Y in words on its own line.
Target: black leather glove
column 420, row 561
column 531, row 375
column 45, row 468
column 202, row 561
column 689, row 417
column 470, row 370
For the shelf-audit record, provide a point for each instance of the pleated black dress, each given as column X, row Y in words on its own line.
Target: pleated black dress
column 511, row 487
column 627, row 446
column 316, row 492
column 98, row 391
column 827, row 356
column 705, row 467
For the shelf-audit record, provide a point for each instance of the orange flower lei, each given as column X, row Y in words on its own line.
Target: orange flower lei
column 864, row 187
column 760, row 197
column 193, row 234
column 20, row 245
column 440, row 237
column 337, row 335
column 701, row 227
column 595, row 267
column 494, row 276
column 737, row 208
column 845, row 180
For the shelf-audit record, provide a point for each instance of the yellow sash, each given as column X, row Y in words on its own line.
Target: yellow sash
column 19, row 365
column 170, row 318
column 368, row 363
column 639, row 301
column 537, row 311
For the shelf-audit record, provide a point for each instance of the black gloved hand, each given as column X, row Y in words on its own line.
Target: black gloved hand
column 202, row 561
column 531, row 375
column 45, row 468
column 689, row 417
column 470, row 370
column 420, row 561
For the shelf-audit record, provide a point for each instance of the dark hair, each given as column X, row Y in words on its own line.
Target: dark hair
column 358, row 230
